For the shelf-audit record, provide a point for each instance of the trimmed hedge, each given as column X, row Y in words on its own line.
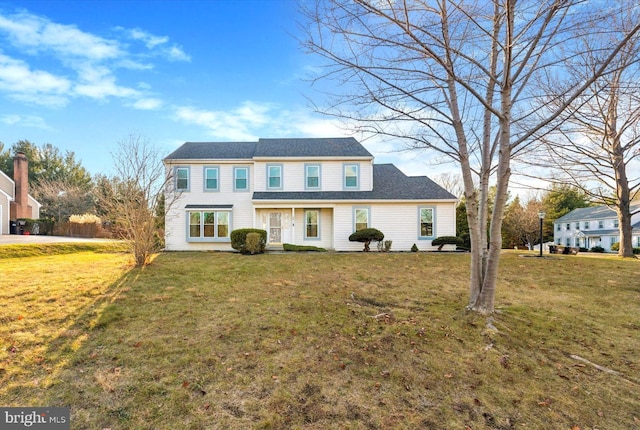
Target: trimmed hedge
column 597, row 249
column 366, row 236
column 292, row 247
column 239, row 240
column 447, row 240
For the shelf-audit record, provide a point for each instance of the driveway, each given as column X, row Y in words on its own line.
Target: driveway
column 7, row 239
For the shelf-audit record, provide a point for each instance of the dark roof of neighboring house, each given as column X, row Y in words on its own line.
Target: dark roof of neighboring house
column 389, row 183
column 302, row 147
column 592, row 213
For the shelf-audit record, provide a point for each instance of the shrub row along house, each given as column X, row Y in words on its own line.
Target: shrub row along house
column 593, row 226
column 314, row 191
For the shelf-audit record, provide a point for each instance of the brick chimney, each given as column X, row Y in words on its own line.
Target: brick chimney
column 20, row 206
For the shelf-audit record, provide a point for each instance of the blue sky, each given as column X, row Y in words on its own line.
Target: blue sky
column 83, row 75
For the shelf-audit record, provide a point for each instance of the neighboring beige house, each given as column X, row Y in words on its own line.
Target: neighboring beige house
column 15, row 201
column 301, row 191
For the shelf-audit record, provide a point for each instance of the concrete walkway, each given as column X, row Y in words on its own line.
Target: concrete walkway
column 8, row 239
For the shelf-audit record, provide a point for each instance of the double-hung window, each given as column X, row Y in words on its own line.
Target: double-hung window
column 600, row 224
column 312, row 224
column 274, row 176
column 211, row 178
column 360, row 218
column 209, row 225
column 182, row 178
column 312, row 176
column 351, row 172
column 426, row 222
column 241, row 179
column 568, row 226
column 586, row 225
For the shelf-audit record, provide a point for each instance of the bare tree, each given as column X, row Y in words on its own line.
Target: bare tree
column 598, row 144
column 451, row 182
column 461, row 79
column 131, row 197
column 62, row 198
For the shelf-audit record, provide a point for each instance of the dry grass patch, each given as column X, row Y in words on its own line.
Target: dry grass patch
column 213, row 340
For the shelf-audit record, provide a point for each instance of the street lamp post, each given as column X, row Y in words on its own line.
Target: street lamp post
column 541, row 216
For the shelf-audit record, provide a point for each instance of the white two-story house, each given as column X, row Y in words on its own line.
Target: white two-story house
column 301, row 191
column 593, row 226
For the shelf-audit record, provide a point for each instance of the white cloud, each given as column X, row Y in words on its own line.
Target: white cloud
column 24, row 121
column 176, row 53
column 90, row 62
column 233, row 125
column 251, row 120
column 147, row 104
column 39, row 34
column 149, row 39
column 35, row 86
column 157, row 45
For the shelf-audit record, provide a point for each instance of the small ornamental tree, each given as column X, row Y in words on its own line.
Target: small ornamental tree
column 366, row 236
column 446, row 240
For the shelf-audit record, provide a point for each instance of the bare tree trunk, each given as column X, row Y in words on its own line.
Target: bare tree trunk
column 461, row 79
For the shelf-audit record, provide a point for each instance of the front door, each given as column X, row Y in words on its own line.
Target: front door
column 275, row 227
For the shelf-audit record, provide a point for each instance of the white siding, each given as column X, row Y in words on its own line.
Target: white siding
column 7, row 185
column 331, row 174
column 4, row 207
column 241, row 214
column 398, row 221
column 326, row 229
column 35, row 207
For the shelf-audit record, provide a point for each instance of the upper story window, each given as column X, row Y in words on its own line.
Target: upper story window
column 274, row 176
column 600, row 224
column 577, row 226
column 616, row 224
column 211, row 178
column 182, row 178
column 241, row 179
column 351, row 172
column 426, row 222
column 568, row 226
column 558, row 227
column 312, row 176
column 361, row 218
column 586, row 225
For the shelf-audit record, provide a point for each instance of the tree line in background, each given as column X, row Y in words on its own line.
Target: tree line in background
column 131, row 201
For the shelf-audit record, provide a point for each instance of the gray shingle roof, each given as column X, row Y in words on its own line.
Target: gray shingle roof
column 389, row 183
column 303, row 147
column 592, row 213
column 311, row 147
column 213, row 150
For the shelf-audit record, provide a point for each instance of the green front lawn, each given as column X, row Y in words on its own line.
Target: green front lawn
column 321, row 340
